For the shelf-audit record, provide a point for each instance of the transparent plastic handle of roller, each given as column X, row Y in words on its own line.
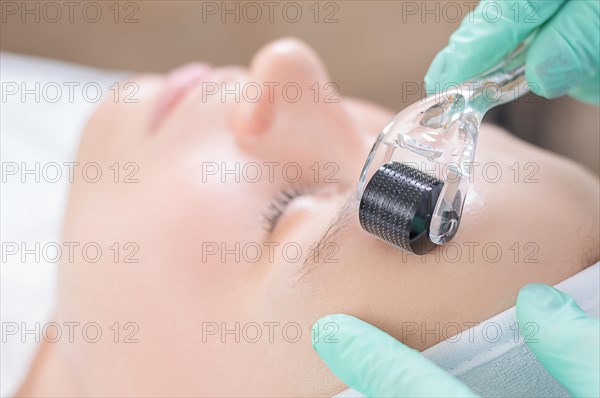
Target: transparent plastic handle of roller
column 464, row 109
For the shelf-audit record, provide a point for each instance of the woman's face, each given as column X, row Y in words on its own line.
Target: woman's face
column 230, row 229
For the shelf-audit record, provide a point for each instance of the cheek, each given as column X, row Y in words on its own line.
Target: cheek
column 165, row 224
column 356, row 274
column 152, row 234
column 154, row 270
column 123, row 121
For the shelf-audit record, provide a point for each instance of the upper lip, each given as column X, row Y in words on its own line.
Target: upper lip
column 177, row 84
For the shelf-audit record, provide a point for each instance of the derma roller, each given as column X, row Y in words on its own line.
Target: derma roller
column 414, row 183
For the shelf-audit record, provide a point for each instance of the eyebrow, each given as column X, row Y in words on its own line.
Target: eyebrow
column 339, row 223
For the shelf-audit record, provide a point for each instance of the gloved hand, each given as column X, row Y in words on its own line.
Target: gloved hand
column 568, row 340
column 377, row 365
column 564, row 56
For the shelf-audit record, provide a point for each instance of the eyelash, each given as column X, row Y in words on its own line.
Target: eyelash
column 279, row 204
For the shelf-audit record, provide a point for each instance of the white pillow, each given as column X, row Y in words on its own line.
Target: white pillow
column 40, row 128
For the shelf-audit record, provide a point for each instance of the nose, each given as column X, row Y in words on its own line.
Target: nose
column 302, row 116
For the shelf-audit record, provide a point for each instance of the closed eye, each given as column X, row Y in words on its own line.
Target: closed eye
column 279, row 203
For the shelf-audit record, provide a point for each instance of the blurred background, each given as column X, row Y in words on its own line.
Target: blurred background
column 376, row 50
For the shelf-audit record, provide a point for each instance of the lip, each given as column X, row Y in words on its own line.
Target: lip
column 177, row 84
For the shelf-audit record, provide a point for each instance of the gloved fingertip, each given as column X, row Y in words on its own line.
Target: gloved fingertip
column 541, row 296
column 546, row 89
column 544, row 304
column 533, row 291
column 534, row 83
column 324, row 330
column 552, row 68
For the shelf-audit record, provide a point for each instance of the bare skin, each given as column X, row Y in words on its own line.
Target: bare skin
column 546, row 231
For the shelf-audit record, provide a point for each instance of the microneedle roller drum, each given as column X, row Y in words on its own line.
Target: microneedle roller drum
column 413, row 186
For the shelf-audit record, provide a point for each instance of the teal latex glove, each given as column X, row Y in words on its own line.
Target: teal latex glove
column 568, row 340
column 377, row 365
column 564, row 56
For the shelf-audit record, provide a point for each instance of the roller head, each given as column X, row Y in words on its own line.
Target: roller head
column 397, row 205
